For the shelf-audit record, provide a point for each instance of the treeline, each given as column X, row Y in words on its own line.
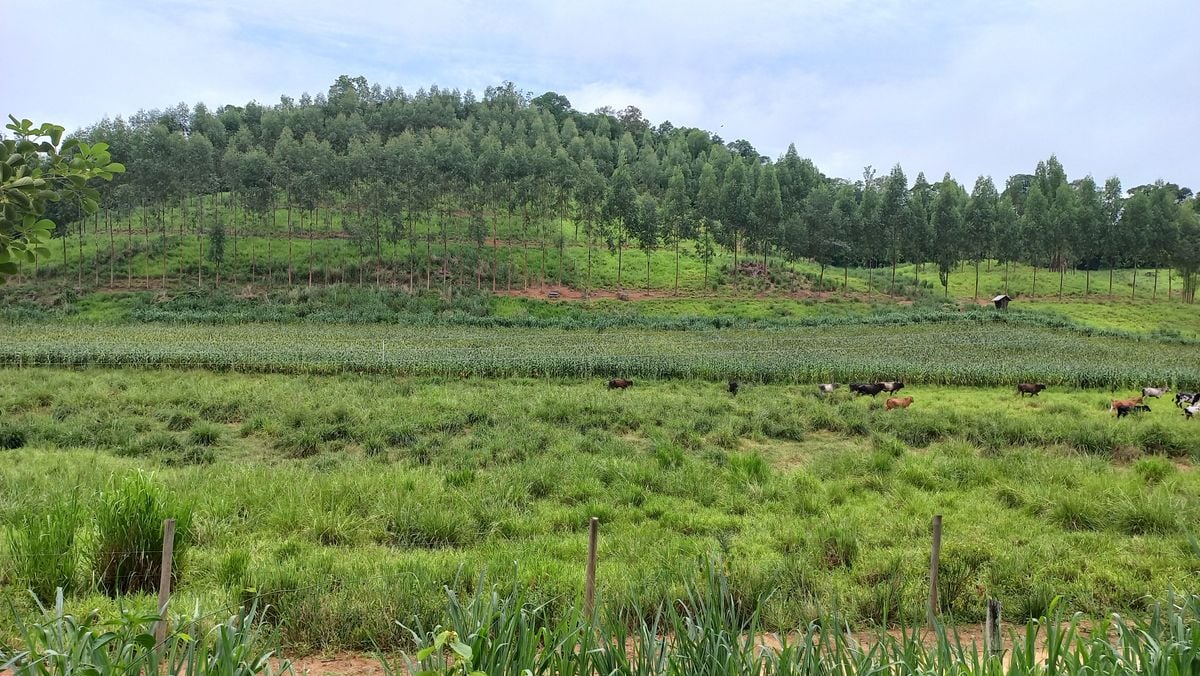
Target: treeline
column 380, row 161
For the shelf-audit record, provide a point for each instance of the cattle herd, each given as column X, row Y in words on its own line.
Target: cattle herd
column 1188, row 401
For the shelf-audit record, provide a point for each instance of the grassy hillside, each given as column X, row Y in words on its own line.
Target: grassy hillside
column 172, row 255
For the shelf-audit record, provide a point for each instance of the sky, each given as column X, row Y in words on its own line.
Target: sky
column 970, row 87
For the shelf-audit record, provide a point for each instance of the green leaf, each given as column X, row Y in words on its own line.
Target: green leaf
column 462, row 650
column 145, row 640
column 424, row 653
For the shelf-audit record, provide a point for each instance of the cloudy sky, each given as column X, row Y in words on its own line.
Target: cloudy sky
column 971, row 87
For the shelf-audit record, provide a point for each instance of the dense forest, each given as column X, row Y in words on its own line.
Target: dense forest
column 403, row 175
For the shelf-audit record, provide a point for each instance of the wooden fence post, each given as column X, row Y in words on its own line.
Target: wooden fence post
column 993, row 641
column 164, row 581
column 934, row 557
column 589, row 588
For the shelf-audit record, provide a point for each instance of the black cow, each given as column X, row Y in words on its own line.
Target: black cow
column 733, row 387
column 866, row 388
column 1032, row 389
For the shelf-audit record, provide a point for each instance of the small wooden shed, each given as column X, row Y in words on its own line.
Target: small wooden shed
column 1001, row 302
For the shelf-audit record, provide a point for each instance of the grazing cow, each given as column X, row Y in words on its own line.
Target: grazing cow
column 733, row 387
column 892, row 385
column 1032, row 389
column 1123, row 411
column 1184, row 398
column 1155, row 392
column 866, row 388
column 1191, row 411
column 827, row 388
column 897, row 402
column 619, row 383
column 1125, row 403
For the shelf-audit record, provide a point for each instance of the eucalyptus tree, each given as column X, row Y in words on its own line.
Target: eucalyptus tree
column 1112, row 204
column 645, row 229
column 1136, row 217
column 919, row 232
column 1162, row 232
column 867, row 243
column 736, row 201
column 980, row 224
column 845, row 219
column 1186, row 254
column 708, row 207
column 825, row 245
column 589, row 199
column 1007, row 246
column 1035, row 227
column 894, row 214
column 1090, row 228
column 677, row 210
column 1064, row 223
column 767, row 210
column 620, row 212
column 948, row 228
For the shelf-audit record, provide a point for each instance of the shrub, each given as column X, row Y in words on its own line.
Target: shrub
column 129, row 534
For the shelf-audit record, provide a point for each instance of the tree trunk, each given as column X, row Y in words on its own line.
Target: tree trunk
column 311, row 239
column 892, row 288
column 1110, row 283
column 620, row 262
column 1154, row 293
column 289, row 231
column 587, row 290
column 1006, row 278
column 976, row 280
column 1134, row 296
column 270, row 258
column 1034, row 293
column 129, row 251
column 647, row 271
column 495, row 248
column 676, row 265
column 1062, row 273
column 845, row 279
column 735, row 261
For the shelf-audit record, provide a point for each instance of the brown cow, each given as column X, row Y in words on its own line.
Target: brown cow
column 1032, row 389
column 1124, row 403
column 897, row 402
column 619, row 383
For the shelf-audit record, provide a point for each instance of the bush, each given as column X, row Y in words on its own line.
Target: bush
column 129, row 534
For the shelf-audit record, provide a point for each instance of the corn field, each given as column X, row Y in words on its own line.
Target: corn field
column 940, row 353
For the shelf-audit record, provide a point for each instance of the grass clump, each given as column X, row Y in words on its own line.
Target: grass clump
column 43, row 549
column 129, row 534
column 205, row 434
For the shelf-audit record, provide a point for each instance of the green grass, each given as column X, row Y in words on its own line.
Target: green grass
column 348, row 501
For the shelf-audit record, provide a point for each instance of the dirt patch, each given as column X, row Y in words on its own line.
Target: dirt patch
column 352, row 664
column 341, row 664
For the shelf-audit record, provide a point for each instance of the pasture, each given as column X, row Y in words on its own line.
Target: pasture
column 347, row 501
